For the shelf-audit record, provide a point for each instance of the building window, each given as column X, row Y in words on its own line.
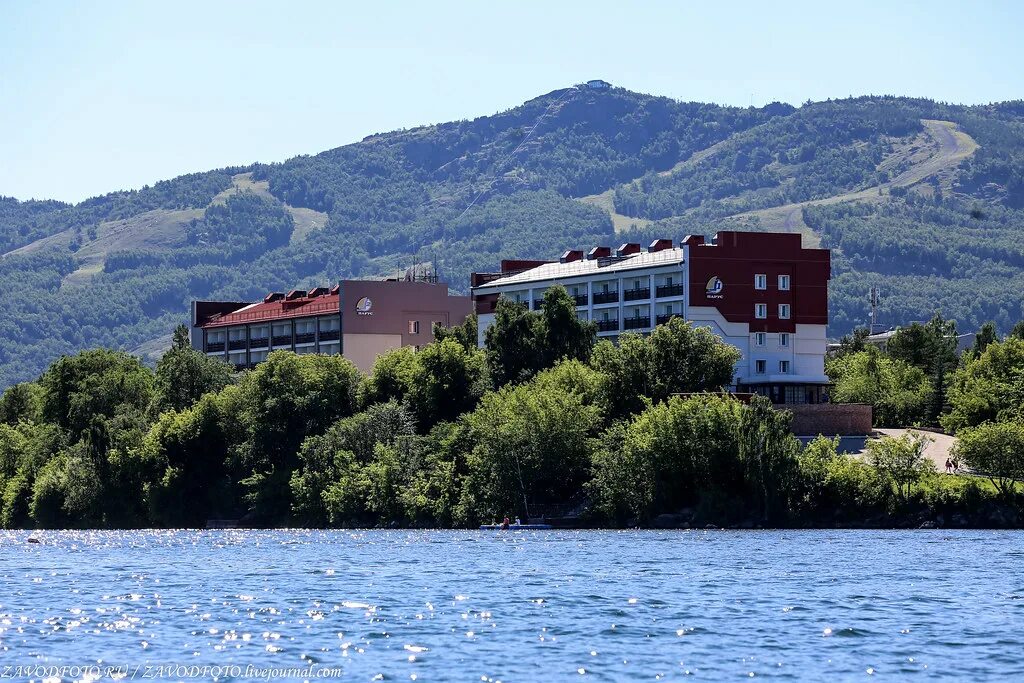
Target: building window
column 760, row 281
column 784, row 367
column 759, row 338
column 414, row 327
column 761, row 311
column 784, row 340
column 784, row 311
column 784, row 282
column 760, row 366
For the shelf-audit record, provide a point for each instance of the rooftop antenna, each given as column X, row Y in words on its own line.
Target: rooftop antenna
column 873, row 297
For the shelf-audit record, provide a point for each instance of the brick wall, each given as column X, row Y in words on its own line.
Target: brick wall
column 831, row 419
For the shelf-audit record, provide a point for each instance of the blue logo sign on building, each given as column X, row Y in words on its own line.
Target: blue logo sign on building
column 714, row 288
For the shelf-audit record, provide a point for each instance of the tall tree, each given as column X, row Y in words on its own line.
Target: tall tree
column 448, row 382
column 768, row 451
column 985, row 336
column 184, row 374
column 512, row 343
column 465, row 334
column 676, row 358
column 563, row 334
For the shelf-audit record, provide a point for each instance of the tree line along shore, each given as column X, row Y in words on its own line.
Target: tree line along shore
column 544, row 421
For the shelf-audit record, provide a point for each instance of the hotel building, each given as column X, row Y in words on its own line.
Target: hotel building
column 359, row 319
column 761, row 292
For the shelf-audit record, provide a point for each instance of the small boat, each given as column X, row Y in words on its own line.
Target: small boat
column 514, row 527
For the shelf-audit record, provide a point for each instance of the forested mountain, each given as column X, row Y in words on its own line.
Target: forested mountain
column 923, row 199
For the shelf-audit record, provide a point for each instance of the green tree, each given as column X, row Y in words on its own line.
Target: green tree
column 512, row 343
column 563, row 336
column 994, row 450
column 986, row 335
column 22, row 402
column 898, row 392
column 448, row 381
column 855, row 342
column 465, row 334
column 24, row 450
column 932, row 348
column 79, row 390
column 184, row 374
column 912, row 345
column 391, row 378
column 520, row 343
column 989, row 388
column 675, row 358
column 282, row 401
column 184, row 454
column 667, row 455
column 901, row 460
column 331, row 485
column 768, row 451
column 532, row 444
column 1018, row 330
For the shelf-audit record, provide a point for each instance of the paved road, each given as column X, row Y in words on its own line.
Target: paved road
column 937, row 449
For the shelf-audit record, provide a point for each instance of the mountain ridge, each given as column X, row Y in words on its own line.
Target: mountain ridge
column 572, row 167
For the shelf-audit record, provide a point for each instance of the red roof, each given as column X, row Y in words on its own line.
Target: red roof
column 278, row 310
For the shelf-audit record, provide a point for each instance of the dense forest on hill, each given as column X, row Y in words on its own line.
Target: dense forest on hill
column 934, row 228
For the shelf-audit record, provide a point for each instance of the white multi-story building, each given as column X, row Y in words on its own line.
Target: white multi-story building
column 761, row 292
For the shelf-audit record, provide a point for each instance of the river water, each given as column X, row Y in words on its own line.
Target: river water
column 522, row 606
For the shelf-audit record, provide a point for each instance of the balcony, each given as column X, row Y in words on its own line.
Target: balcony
column 665, row 317
column 330, row 335
column 669, row 290
column 605, row 297
column 282, row 340
column 260, row 343
column 214, row 347
column 607, row 325
column 634, row 294
column 305, row 338
column 636, row 323
column 236, row 344
column 581, row 299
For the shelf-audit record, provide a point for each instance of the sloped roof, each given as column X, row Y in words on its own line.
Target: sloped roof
column 278, row 310
column 587, row 267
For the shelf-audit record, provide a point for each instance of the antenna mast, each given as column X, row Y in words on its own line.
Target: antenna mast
column 874, row 298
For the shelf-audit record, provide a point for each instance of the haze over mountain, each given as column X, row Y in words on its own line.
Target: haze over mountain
column 923, row 199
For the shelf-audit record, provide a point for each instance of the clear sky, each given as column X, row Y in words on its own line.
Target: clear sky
column 100, row 96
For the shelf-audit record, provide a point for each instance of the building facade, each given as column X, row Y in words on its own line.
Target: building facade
column 359, row 319
column 761, row 292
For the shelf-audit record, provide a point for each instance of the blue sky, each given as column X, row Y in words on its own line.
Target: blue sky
column 101, row 96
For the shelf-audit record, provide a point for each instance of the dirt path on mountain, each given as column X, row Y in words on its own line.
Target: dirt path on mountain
column 951, row 147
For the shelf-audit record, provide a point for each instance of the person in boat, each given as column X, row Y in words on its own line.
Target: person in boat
column 504, row 522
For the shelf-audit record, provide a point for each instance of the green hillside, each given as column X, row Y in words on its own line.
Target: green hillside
column 923, row 199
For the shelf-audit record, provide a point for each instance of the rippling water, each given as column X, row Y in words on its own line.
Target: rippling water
column 475, row 606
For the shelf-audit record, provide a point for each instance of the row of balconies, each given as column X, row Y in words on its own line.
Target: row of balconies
column 638, row 294
column 633, row 322
column 277, row 341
